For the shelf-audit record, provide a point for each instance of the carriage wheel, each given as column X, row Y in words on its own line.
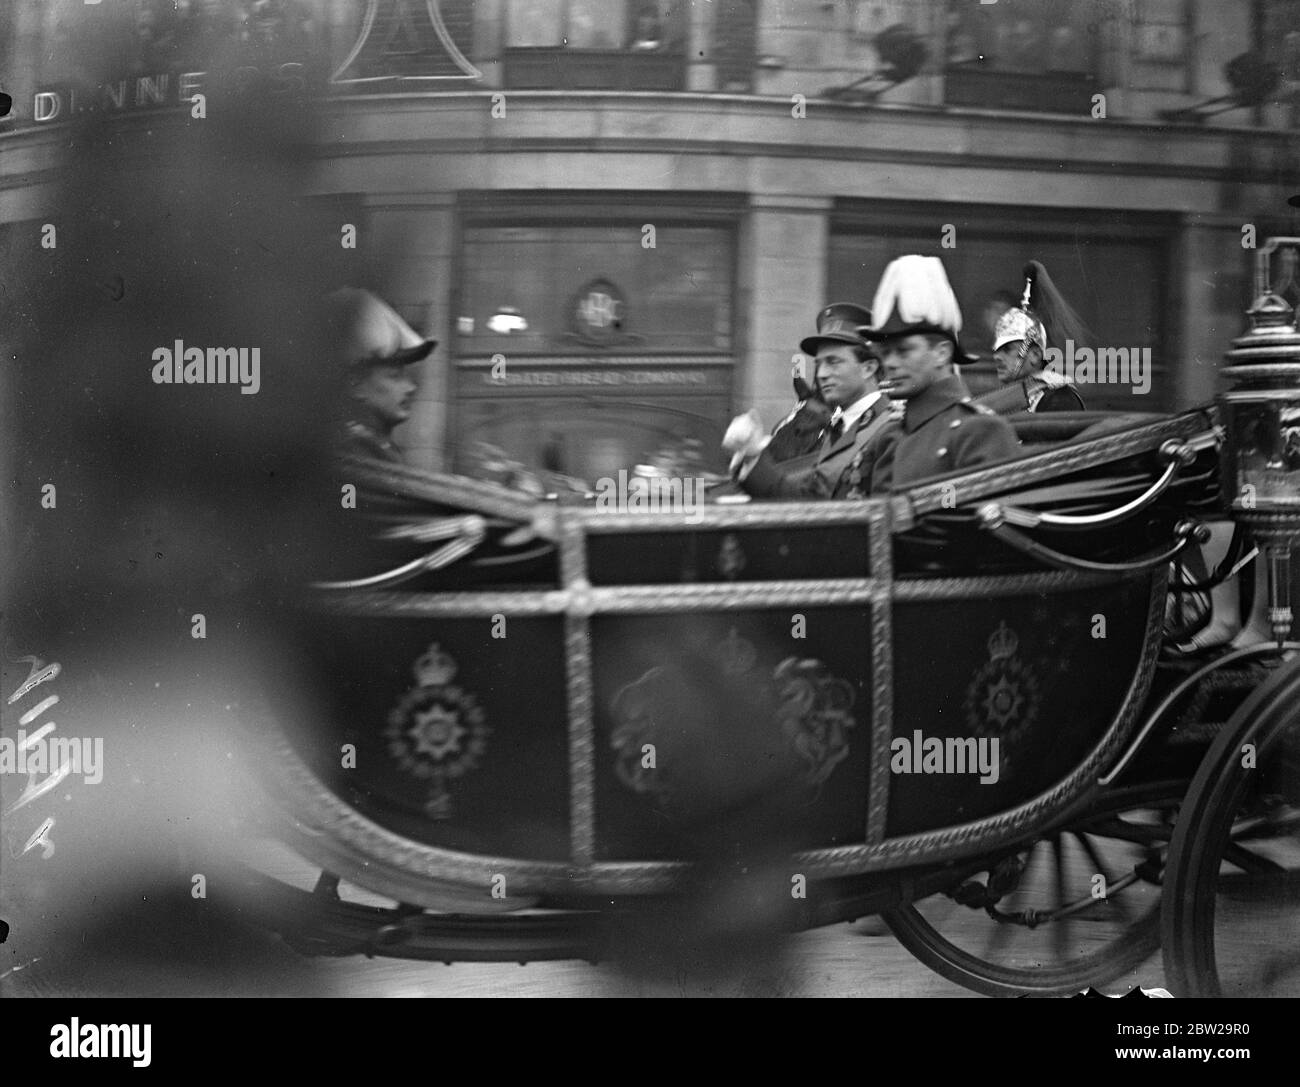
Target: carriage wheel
column 1047, row 934
column 1231, row 922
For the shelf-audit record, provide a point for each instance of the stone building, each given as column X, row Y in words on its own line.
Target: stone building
column 619, row 217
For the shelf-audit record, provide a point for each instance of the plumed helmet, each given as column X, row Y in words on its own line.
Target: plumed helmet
column 370, row 332
column 1042, row 309
column 1015, row 325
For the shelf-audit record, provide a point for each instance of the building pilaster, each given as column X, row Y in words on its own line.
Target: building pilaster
column 782, row 285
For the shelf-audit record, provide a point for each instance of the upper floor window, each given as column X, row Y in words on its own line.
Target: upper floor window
column 1017, row 55
column 595, row 44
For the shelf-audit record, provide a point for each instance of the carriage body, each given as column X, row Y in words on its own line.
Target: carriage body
column 879, row 685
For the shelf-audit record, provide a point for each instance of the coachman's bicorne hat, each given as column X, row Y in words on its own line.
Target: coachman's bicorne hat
column 838, row 323
column 914, row 297
column 371, row 333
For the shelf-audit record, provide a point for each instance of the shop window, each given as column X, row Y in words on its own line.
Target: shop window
column 1020, row 55
column 581, row 350
column 596, row 44
column 551, row 289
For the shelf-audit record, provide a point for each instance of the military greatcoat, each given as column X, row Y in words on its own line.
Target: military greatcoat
column 944, row 430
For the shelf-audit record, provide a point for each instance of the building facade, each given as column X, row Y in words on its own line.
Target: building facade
column 619, row 217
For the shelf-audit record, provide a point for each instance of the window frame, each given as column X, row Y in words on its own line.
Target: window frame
column 561, row 209
column 621, row 68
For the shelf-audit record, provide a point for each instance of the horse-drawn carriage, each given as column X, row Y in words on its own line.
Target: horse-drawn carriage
column 525, row 721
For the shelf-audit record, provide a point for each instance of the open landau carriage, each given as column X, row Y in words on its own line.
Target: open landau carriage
column 949, row 705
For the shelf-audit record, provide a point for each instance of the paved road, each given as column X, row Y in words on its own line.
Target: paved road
column 148, row 948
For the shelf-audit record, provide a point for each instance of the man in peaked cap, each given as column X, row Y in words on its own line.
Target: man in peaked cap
column 854, row 449
column 917, row 322
column 377, row 348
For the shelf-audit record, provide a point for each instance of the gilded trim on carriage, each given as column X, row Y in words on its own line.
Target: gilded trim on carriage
column 986, row 586
column 1052, row 463
column 578, row 686
column 882, row 674
column 703, row 597
column 598, row 600
column 750, row 515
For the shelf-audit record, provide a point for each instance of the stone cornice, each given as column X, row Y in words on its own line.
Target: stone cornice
column 734, row 138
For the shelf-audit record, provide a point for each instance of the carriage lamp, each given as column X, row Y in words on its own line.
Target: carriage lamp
column 1261, row 416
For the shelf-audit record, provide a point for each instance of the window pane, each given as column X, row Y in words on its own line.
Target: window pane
column 535, row 22
column 656, row 26
column 680, row 300
column 1049, row 36
column 596, row 24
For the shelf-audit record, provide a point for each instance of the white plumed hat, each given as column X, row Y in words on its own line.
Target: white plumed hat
column 915, row 296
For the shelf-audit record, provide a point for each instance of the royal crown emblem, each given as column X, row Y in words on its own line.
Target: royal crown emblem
column 1002, row 699
column 437, row 732
column 1003, row 643
column 435, row 668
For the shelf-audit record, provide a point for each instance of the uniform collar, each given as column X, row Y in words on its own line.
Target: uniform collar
column 942, row 394
column 854, row 412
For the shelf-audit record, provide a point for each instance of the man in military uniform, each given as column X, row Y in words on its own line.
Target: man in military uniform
column 1019, row 340
column 378, row 348
column 855, row 446
column 917, row 322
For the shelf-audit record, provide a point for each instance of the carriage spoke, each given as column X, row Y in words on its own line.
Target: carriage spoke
column 1047, row 936
column 1098, row 865
column 1247, row 861
column 1137, row 833
column 1060, row 933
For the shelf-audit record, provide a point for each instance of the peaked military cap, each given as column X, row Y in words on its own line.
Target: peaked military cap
column 838, row 323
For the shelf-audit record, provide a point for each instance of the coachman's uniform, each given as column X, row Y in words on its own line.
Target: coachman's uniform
column 371, row 333
column 944, row 429
column 358, row 440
